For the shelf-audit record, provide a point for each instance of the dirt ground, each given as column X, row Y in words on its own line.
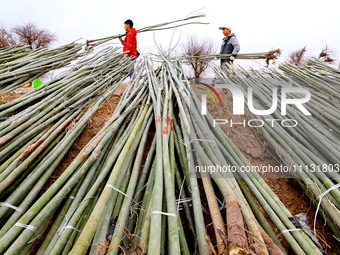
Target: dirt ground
column 252, row 144
column 10, row 96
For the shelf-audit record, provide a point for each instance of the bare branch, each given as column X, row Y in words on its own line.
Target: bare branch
column 31, row 35
column 195, row 47
column 326, row 55
column 6, row 38
column 297, row 57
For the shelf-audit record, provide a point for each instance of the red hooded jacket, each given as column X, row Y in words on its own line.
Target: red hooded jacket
column 130, row 43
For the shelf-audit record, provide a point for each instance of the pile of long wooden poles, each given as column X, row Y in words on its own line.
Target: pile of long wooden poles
column 43, row 125
column 18, row 65
column 267, row 56
column 311, row 149
column 13, row 52
column 134, row 186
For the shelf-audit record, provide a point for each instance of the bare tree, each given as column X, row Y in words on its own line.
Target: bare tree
column 6, row 38
column 195, row 47
column 326, row 55
column 31, row 35
column 297, row 57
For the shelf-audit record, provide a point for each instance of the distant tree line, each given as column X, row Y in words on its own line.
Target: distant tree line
column 27, row 34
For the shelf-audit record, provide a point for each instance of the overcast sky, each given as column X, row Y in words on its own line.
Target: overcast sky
column 260, row 25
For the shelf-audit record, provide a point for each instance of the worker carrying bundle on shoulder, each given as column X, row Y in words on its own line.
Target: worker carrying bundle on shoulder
column 130, row 42
column 230, row 45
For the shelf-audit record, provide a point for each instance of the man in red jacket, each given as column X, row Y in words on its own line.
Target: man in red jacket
column 130, row 41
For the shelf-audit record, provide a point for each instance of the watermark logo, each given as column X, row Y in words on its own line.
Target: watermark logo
column 289, row 96
column 212, row 92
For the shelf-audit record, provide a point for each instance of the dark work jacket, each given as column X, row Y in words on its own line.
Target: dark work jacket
column 230, row 45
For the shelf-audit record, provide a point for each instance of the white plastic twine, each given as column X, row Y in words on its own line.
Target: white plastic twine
column 164, row 213
column 71, row 227
column 5, row 204
column 200, row 140
column 290, row 230
column 320, row 198
column 29, row 227
column 223, row 205
column 67, row 218
column 124, row 194
column 114, row 188
column 181, row 201
column 179, row 196
column 336, row 238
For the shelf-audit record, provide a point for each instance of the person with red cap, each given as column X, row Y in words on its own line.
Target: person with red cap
column 230, row 45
